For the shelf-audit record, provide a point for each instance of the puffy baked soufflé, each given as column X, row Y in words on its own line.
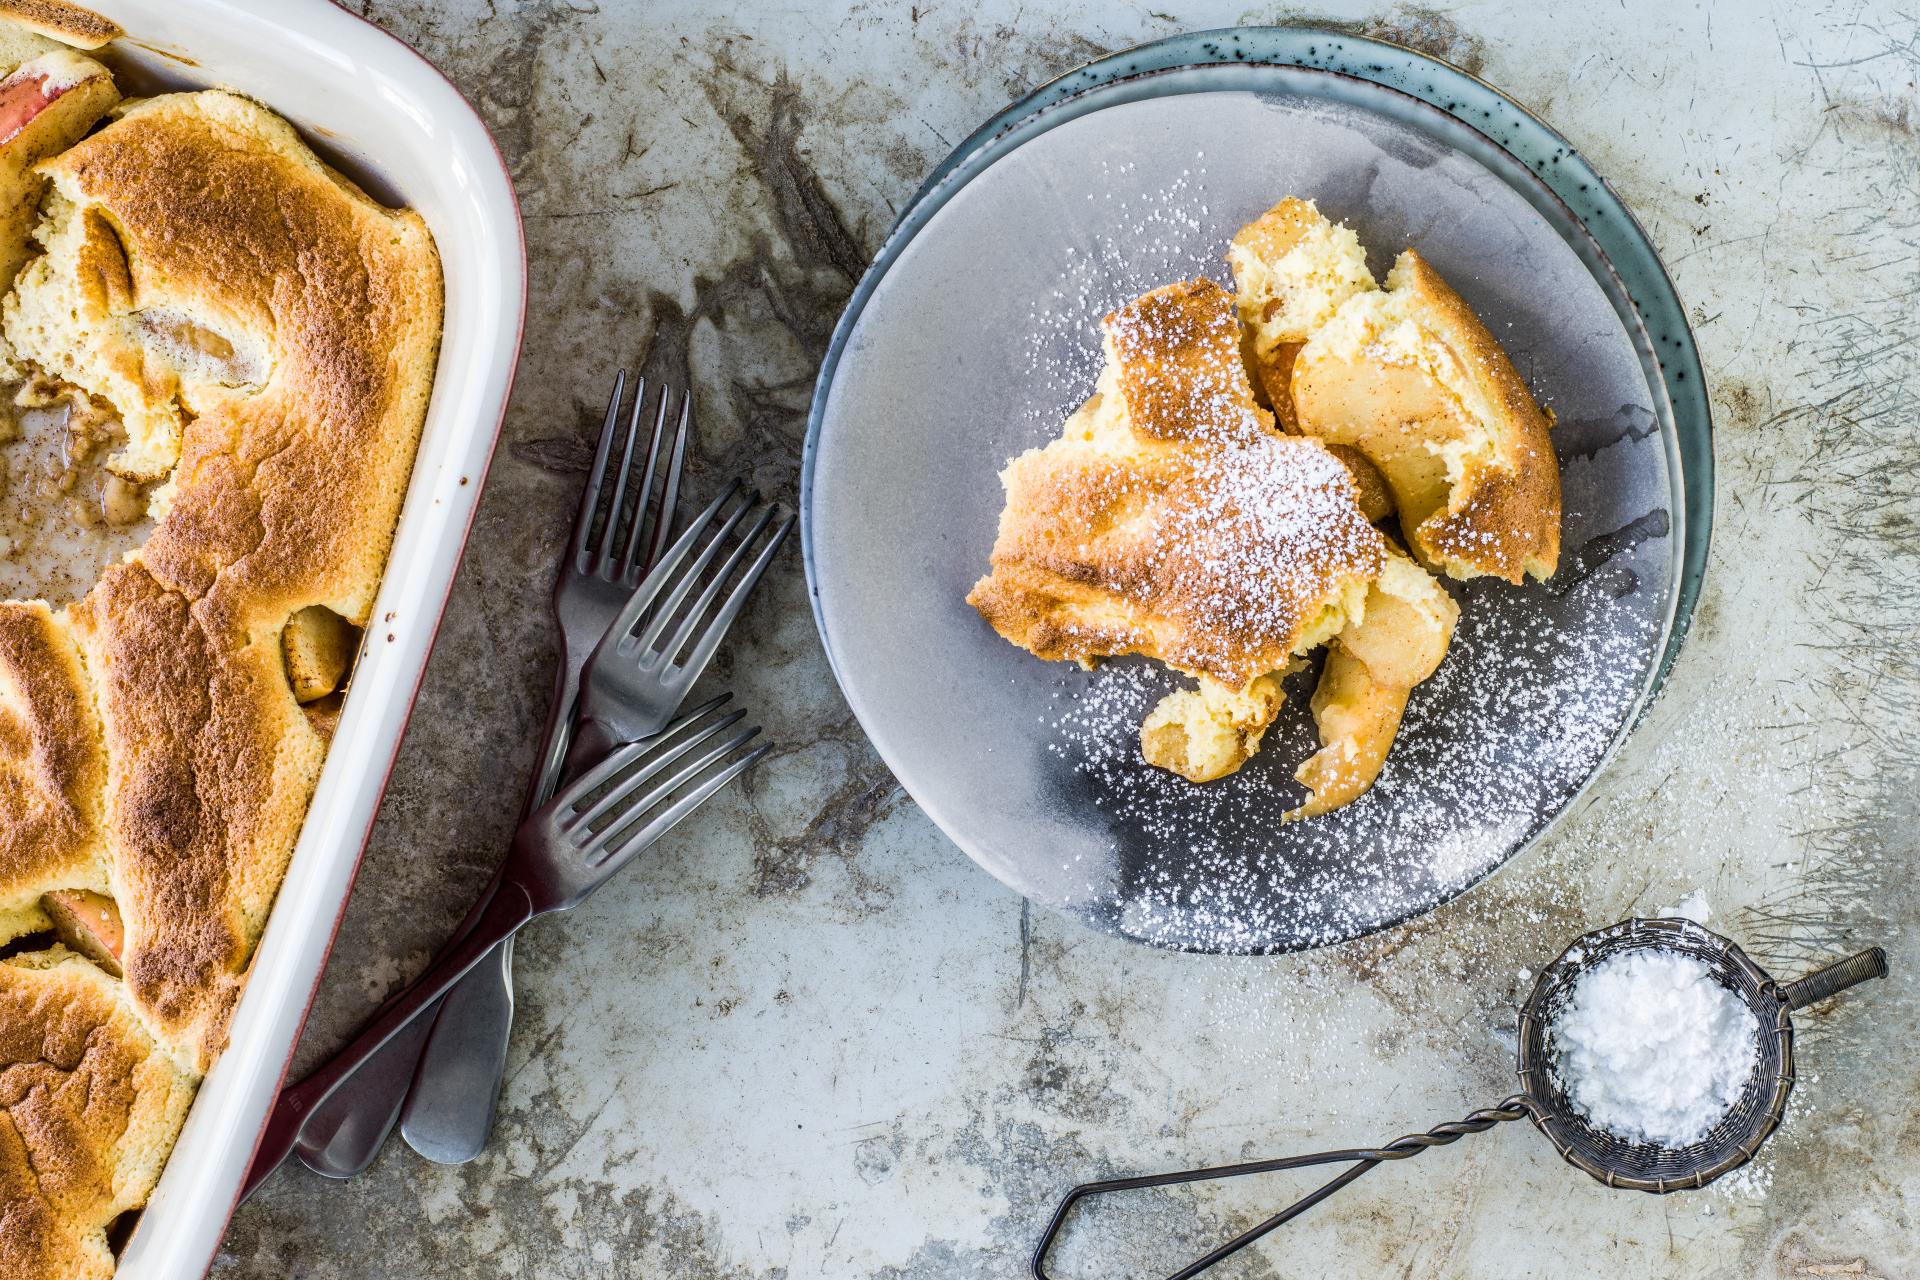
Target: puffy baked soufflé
column 263, row 335
column 1223, row 502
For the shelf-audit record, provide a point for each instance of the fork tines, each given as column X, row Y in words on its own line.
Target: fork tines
column 631, row 798
column 670, row 625
column 632, row 530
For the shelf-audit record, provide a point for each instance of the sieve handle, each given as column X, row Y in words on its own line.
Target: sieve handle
column 1363, row 1159
column 1836, row 977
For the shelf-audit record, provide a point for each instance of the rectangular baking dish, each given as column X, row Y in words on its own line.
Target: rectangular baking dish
column 390, row 120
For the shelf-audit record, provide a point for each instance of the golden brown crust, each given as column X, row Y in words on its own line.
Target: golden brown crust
column 89, row 1106
column 1171, row 520
column 1176, row 351
column 1509, row 525
column 1221, row 566
column 211, row 765
column 1205, row 540
column 224, row 235
column 286, row 495
column 155, row 765
column 67, row 23
column 52, row 765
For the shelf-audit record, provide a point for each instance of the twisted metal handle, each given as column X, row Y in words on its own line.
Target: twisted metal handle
column 1834, row 978
column 1362, row 1159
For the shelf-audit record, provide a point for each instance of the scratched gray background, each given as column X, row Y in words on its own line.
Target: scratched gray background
column 809, row 1038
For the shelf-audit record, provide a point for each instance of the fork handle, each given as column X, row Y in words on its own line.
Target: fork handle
column 592, row 742
column 351, row 1126
column 459, row 1064
column 1835, row 978
column 510, row 909
column 550, row 768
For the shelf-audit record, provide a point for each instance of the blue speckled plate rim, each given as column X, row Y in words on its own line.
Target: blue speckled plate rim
column 1505, row 123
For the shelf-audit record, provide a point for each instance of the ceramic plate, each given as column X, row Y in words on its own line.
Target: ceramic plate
column 977, row 332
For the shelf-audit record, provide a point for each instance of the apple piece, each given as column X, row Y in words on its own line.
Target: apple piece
column 1376, row 499
column 1411, row 378
column 1358, row 717
column 22, row 98
column 1406, row 626
column 1292, row 268
column 89, row 923
column 324, row 715
column 31, row 129
column 46, row 105
column 1207, row 733
column 318, row 646
column 1372, row 666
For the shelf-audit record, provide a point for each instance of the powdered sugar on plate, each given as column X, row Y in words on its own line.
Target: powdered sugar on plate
column 1539, row 683
column 1491, row 748
column 1154, row 244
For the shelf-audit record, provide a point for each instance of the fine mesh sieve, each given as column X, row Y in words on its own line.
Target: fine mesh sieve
column 1638, row 1166
column 1644, row 1166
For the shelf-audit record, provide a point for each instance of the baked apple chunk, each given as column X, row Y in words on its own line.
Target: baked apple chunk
column 1410, row 378
column 1399, row 639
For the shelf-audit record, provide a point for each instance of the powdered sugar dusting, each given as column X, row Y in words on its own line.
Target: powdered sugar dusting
column 1176, row 350
column 1268, row 531
column 1154, row 241
column 1513, row 723
column 1538, row 684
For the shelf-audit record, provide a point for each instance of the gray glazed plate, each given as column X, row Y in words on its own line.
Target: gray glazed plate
column 979, row 331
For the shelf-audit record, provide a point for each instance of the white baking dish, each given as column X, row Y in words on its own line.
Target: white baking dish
column 388, row 118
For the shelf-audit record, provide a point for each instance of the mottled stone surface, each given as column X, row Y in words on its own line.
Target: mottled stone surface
column 808, row 1038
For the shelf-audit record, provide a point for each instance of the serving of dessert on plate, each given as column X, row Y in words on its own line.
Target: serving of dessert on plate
column 218, row 354
column 1216, row 503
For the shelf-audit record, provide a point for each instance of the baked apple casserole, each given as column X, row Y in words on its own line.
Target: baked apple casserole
column 1262, row 473
column 217, row 354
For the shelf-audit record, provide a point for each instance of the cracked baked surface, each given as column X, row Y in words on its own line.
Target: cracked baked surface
column 285, row 496
column 265, row 336
column 89, row 1105
column 1169, row 519
column 53, row 766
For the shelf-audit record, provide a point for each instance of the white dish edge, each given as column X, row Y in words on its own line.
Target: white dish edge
column 364, row 95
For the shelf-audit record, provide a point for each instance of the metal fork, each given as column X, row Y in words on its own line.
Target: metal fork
column 598, row 575
column 449, row 1110
column 571, row 846
column 631, row 687
column 658, row 646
